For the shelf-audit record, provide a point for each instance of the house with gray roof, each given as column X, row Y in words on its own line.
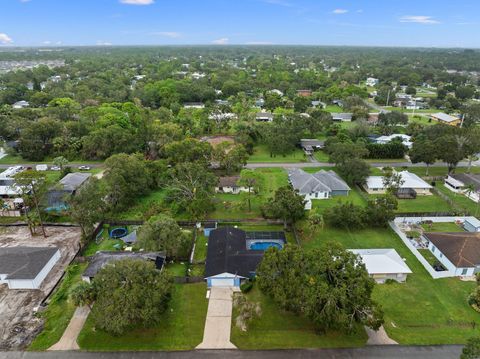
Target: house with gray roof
column 104, row 258
column 57, row 197
column 26, row 267
column 341, row 117
column 320, row 185
column 465, row 183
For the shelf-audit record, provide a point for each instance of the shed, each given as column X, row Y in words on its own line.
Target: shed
column 208, row 227
column 472, row 224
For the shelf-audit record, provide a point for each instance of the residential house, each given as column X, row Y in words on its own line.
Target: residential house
column 104, row 258
column 233, row 254
column 341, row 117
column 372, row 82
column 446, row 119
column 338, row 102
column 383, row 264
column 196, row 105
column 320, row 185
column 67, row 187
column 229, row 184
column 471, row 224
column 318, row 104
column 276, row 92
column 311, row 145
column 26, row 267
column 409, row 182
column 222, row 116
column 304, row 93
column 461, row 183
column 20, row 104
column 459, row 252
column 8, row 187
column 264, row 117
column 405, row 139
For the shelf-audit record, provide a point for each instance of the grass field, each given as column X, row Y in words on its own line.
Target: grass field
column 420, row 311
column 321, row 156
column 353, row 197
column 179, row 328
column 428, row 255
column 333, row 108
column 200, row 247
column 144, row 206
column 278, row 329
column 431, row 203
column 261, row 154
column 460, row 200
column 59, row 311
column 442, row 227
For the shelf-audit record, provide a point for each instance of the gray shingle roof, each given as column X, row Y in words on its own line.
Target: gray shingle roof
column 24, row 262
column 72, row 181
column 322, row 181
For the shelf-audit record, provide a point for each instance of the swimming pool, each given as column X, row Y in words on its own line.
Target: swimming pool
column 263, row 246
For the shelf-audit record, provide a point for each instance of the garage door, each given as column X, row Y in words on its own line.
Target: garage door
column 222, row 282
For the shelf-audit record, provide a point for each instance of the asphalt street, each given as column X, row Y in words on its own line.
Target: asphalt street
column 391, row 352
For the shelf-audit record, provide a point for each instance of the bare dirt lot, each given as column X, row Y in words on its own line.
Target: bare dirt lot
column 18, row 323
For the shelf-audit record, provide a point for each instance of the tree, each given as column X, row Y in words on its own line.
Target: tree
column 33, row 187
column 162, row 233
column 88, row 206
column 342, row 151
column 471, row 349
column 393, row 118
column 83, row 294
column 354, row 171
column 392, row 180
column 188, row 150
column 190, row 188
column 126, row 178
column 411, row 90
column 450, row 150
column 253, row 181
column 287, row 205
column 129, row 293
column 61, row 162
column 64, row 108
column 424, row 150
column 471, row 115
column 381, row 210
column 345, row 215
column 330, row 286
column 232, row 159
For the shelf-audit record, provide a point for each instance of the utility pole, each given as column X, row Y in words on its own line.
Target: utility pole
column 388, row 98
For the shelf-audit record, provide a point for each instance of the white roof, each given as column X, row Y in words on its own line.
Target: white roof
column 395, row 135
column 410, row 180
column 382, row 261
column 444, row 117
column 473, row 221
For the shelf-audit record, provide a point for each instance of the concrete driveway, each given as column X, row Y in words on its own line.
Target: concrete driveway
column 219, row 320
column 68, row 341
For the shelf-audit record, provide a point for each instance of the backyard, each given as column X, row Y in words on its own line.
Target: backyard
column 262, row 154
column 422, row 311
column 460, row 200
column 179, row 328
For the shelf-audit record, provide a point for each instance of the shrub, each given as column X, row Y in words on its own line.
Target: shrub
column 246, row 287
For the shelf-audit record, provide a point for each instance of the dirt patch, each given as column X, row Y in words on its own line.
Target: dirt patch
column 18, row 323
column 216, row 140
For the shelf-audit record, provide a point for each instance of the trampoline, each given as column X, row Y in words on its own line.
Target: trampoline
column 118, row 232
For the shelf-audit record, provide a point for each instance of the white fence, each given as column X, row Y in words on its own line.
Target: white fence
column 416, row 253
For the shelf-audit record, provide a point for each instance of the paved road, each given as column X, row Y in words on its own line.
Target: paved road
column 373, row 164
column 389, row 351
column 74, row 165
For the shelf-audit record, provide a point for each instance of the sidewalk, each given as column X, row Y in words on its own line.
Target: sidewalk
column 68, row 341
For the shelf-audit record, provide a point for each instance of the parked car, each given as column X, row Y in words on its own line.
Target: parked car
column 84, row 168
column 55, row 168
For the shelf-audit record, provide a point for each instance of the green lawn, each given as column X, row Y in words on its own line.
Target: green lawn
column 278, row 329
column 422, row 311
column 144, row 207
column 179, row 328
column 106, row 244
column 442, row 227
column 178, row 269
column 59, row 311
column 428, row 255
column 200, row 247
column 261, row 154
column 460, row 200
column 321, row 156
column 334, row 109
column 431, row 203
column 354, row 197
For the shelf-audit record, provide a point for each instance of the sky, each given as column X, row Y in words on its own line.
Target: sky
column 415, row 23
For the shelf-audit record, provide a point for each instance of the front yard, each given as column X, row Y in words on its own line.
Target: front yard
column 180, row 327
column 262, row 154
column 422, row 311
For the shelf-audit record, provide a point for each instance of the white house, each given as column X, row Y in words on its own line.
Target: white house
column 229, row 184
column 8, row 188
column 197, row 105
column 383, row 264
column 372, row 82
column 410, row 181
column 320, row 185
column 459, row 252
column 406, row 139
column 20, row 104
column 264, row 117
column 458, row 183
column 26, row 267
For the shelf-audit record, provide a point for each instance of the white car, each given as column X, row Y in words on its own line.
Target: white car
column 55, row 168
column 84, row 168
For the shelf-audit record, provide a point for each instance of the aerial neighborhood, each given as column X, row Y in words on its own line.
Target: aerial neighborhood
column 240, row 198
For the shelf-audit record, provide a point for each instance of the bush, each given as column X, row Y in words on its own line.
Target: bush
column 246, row 287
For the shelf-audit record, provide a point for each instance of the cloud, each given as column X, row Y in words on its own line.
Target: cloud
column 278, row 2
column 419, row 19
column 170, row 34
column 5, row 39
column 47, row 42
column 221, row 41
column 137, row 2
column 103, row 43
column 339, row 11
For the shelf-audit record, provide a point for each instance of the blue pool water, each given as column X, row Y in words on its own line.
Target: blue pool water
column 263, row 246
